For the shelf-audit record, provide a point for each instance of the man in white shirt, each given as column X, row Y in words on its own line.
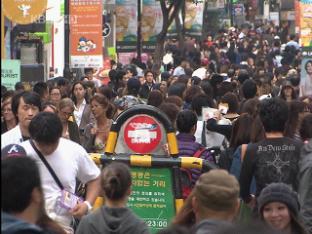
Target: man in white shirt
column 68, row 160
column 25, row 106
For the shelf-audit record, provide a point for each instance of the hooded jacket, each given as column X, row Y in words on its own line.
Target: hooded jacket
column 107, row 220
column 305, row 185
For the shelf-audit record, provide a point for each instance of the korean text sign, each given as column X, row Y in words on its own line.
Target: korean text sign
column 152, row 196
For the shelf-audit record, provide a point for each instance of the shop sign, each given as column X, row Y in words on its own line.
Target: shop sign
column 10, row 73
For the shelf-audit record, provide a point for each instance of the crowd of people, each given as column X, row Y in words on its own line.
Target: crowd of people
column 239, row 92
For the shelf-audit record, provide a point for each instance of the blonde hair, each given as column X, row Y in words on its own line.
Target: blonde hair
column 66, row 102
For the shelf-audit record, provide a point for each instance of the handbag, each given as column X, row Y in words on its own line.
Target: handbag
column 67, row 200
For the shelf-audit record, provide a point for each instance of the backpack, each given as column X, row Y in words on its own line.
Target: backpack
column 186, row 175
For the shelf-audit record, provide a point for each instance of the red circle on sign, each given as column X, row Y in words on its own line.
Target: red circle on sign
column 142, row 134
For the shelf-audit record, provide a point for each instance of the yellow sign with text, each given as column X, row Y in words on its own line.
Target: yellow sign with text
column 23, row 11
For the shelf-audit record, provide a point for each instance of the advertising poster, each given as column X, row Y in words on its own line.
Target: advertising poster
column 151, row 24
column 306, row 72
column 274, row 17
column 10, row 73
column 86, row 33
column 306, row 22
column 126, row 25
column 193, row 19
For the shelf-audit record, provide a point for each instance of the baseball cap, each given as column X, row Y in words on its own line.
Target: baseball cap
column 13, row 150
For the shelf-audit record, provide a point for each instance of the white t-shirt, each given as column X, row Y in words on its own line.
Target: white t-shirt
column 13, row 136
column 69, row 161
column 200, row 72
column 96, row 82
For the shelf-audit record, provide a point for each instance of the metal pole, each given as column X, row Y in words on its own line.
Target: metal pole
column 139, row 36
column 2, row 34
column 231, row 12
column 66, row 72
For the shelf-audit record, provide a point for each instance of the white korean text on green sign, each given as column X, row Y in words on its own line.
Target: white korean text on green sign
column 152, row 197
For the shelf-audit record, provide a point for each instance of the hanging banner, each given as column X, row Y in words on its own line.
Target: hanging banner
column 86, row 33
column 274, row 17
column 306, row 22
column 23, row 11
column 306, row 72
column 126, row 25
column 193, row 22
column 152, row 21
column 297, row 16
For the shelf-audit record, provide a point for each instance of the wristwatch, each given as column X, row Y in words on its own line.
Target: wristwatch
column 88, row 205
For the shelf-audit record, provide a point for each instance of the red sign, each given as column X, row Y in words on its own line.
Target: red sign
column 142, row 134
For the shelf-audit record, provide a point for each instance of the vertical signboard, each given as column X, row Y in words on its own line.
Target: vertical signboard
column 274, row 17
column 126, row 25
column 152, row 196
column 306, row 72
column 10, row 73
column 151, row 24
column 306, row 22
column 193, row 22
column 86, row 33
column 297, row 16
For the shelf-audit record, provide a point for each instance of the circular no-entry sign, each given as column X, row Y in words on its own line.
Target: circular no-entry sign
column 142, row 134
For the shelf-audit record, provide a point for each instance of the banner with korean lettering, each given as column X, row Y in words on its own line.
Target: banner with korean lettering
column 86, row 33
column 306, row 22
column 126, row 25
column 152, row 196
column 193, row 22
column 152, row 21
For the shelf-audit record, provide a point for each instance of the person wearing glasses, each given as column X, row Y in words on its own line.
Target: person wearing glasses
column 65, row 113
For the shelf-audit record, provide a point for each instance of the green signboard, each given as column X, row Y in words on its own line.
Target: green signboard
column 10, row 73
column 152, row 197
